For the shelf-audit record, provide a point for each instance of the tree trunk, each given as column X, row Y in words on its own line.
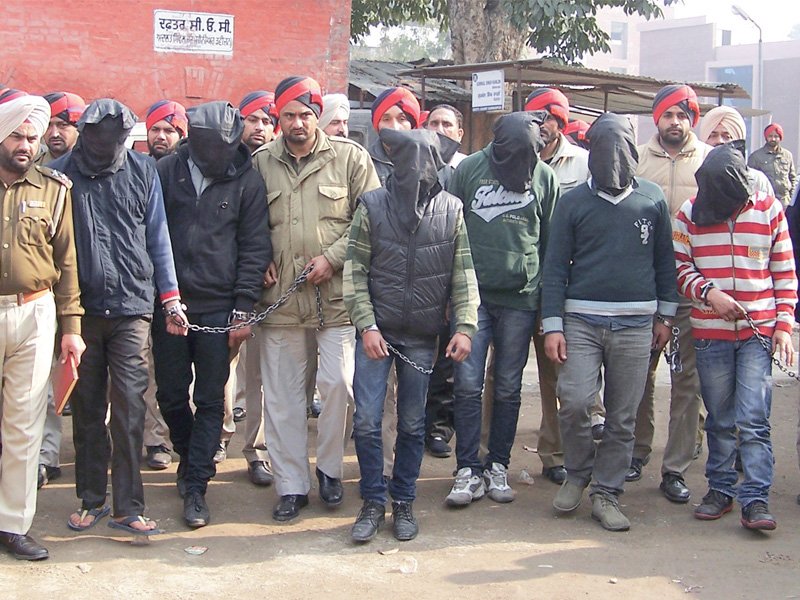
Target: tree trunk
column 481, row 31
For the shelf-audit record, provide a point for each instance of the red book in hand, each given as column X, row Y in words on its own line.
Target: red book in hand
column 64, row 376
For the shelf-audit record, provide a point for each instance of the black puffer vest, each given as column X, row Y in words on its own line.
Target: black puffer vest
column 410, row 272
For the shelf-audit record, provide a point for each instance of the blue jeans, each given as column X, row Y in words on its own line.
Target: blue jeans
column 510, row 330
column 736, row 381
column 369, row 392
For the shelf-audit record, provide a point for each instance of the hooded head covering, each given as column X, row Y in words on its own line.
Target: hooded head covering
column 773, row 128
column 66, row 106
column 8, row 94
column 723, row 186
column 723, row 115
column 576, row 132
column 676, row 95
column 515, row 150
column 417, row 156
column 215, row 135
column 173, row 113
column 612, row 153
column 104, row 127
column 303, row 89
column 15, row 112
column 550, row 100
column 331, row 103
column 259, row 100
column 400, row 97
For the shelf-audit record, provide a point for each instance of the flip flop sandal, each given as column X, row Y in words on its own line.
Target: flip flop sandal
column 97, row 512
column 125, row 525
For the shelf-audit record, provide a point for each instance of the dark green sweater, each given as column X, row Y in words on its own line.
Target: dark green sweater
column 507, row 230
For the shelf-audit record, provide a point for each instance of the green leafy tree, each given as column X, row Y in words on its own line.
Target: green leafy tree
column 487, row 30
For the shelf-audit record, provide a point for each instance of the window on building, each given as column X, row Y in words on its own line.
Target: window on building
column 619, row 32
column 726, row 37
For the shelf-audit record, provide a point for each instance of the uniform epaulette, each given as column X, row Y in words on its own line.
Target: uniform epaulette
column 343, row 140
column 57, row 175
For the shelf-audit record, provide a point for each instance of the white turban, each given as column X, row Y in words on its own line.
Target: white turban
column 331, row 103
column 727, row 116
column 14, row 113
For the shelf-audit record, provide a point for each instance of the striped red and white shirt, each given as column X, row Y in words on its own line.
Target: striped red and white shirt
column 748, row 257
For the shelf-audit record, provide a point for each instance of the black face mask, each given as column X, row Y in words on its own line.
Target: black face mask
column 613, row 158
column 215, row 132
column 723, row 186
column 515, row 149
column 417, row 158
column 104, row 127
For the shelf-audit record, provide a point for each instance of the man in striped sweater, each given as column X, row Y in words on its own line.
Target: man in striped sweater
column 734, row 259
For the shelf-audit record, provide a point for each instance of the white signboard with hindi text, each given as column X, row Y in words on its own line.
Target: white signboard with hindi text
column 488, row 91
column 192, row 32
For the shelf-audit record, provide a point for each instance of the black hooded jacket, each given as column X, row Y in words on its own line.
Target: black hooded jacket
column 220, row 239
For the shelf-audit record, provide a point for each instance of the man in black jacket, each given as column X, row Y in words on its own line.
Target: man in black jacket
column 217, row 215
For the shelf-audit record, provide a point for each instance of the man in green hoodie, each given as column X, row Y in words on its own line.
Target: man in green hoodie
column 508, row 195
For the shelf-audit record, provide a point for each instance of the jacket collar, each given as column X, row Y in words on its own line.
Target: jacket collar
column 691, row 147
column 566, row 149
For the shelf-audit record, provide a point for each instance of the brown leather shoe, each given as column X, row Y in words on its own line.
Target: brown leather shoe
column 23, row 547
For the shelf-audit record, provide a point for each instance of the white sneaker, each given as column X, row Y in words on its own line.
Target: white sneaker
column 496, row 481
column 467, row 487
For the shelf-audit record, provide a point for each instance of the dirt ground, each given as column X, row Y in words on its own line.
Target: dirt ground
column 487, row 550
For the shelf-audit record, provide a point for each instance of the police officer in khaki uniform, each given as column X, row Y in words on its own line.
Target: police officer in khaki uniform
column 37, row 261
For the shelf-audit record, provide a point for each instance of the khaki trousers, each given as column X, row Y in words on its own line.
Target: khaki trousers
column 156, row 432
column 284, row 374
column 27, row 337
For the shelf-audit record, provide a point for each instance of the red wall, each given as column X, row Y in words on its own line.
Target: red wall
column 105, row 49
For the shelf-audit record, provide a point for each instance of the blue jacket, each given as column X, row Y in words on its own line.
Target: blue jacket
column 121, row 237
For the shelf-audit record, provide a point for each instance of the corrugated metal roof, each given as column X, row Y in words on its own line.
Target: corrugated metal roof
column 373, row 76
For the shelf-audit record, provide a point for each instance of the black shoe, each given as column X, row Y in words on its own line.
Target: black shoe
column 635, row 471
column 180, row 480
column 289, row 506
column 330, row 489
column 714, row 505
column 259, row 473
column 195, row 510
column 369, row 519
column 316, row 406
column 555, row 474
column 756, row 516
column 674, row 488
column 158, row 457
column 598, row 431
column 46, row 475
column 67, row 410
column 437, row 447
column 239, row 414
column 404, row 525
column 23, row 547
column 222, row 452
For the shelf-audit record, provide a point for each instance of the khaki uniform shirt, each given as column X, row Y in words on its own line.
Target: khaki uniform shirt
column 311, row 206
column 44, row 158
column 778, row 166
column 37, row 245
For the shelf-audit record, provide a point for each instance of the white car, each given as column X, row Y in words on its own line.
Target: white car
column 137, row 138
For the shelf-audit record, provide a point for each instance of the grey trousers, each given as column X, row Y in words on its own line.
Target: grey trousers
column 624, row 355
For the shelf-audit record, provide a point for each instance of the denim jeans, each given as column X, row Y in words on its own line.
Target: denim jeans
column 624, row 355
column 369, row 391
column 736, row 381
column 510, row 330
column 195, row 436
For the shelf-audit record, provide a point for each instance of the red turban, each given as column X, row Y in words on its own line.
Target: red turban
column 166, row 110
column 260, row 100
column 400, row 97
column 576, row 130
column 303, row 89
column 66, row 106
column 676, row 95
column 550, row 100
column 774, row 128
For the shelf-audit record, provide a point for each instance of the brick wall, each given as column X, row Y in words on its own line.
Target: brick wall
column 105, row 48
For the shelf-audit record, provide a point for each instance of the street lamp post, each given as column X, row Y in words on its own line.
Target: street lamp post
column 738, row 11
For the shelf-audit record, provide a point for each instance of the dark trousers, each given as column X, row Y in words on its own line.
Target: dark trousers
column 439, row 407
column 116, row 352
column 195, row 436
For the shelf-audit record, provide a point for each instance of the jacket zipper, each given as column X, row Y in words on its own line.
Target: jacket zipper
column 410, row 262
column 731, row 227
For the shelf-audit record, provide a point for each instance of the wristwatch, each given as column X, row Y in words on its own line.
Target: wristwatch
column 704, row 289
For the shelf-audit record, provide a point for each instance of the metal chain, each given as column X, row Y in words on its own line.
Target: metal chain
column 768, row 348
column 673, row 353
column 407, row 360
column 257, row 318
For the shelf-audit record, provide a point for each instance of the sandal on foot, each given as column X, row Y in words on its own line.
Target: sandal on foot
column 98, row 512
column 125, row 525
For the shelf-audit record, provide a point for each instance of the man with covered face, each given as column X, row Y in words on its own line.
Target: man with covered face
column 408, row 257
column 508, row 196
column 751, row 272
column 219, row 227
column 124, row 260
column 608, row 296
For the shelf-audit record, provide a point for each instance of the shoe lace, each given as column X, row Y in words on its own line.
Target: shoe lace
column 370, row 510
column 402, row 510
column 715, row 497
column 499, row 477
column 756, row 508
column 462, row 480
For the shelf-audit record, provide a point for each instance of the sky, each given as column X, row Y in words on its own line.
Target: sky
column 776, row 17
